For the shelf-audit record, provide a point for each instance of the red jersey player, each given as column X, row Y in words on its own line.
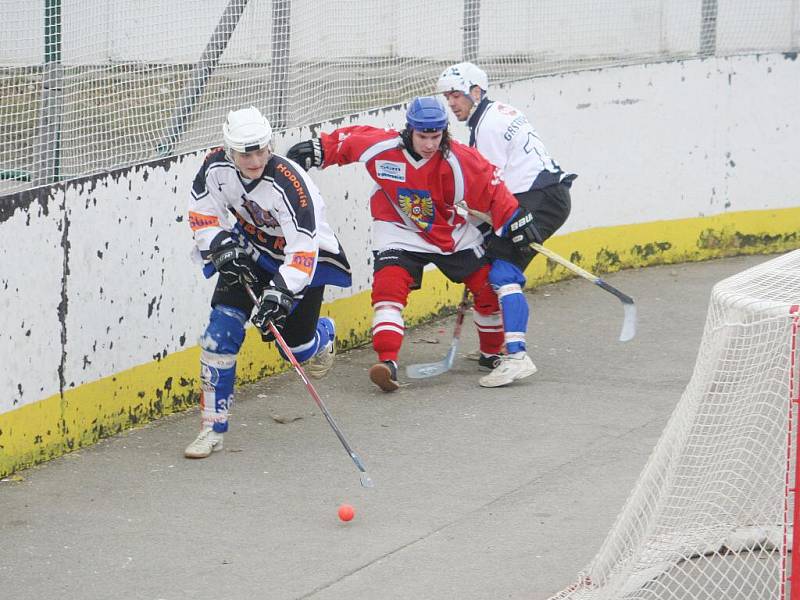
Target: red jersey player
column 423, row 176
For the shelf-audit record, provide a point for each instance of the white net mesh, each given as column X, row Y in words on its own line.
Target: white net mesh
column 710, row 514
column 92, row 85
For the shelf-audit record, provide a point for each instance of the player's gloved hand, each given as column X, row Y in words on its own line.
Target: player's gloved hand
column 233, row 263
column 274, row 305
column 521, row 230
column 307, row 154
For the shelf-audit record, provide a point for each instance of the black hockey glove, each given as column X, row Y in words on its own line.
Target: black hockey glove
column 234, row 265
column 275, row 305
column 307, row 154
column 522, row 231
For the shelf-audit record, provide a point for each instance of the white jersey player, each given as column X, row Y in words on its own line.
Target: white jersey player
column 507, row 139
column 259, row 221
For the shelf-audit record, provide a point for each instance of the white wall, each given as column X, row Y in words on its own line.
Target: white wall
column 670, row 140
column 105, row 262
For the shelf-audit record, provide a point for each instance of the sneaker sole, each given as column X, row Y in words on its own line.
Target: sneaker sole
column 319, row 374
column 216, row 448
column 527, row 373
column 523, row 375
column 381, row 376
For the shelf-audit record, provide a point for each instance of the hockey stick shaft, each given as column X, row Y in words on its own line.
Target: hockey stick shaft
column 580, row 271
column 366, row 480
column 629, row 321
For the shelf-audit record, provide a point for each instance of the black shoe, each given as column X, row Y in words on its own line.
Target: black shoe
column 384, row 375
column 488, row 363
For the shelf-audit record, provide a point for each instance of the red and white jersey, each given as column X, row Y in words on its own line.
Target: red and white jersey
column 415, row 204
column 282, row 214
column 505, row 136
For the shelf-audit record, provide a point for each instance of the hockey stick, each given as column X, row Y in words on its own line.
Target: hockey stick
column 629, row 317
column 628, row 330
column 366, row 480
column 421, row 371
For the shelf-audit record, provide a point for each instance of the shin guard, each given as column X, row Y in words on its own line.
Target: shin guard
column 220, row 344
column 507, row 281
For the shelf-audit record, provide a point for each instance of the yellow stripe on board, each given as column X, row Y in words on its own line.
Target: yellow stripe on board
column 56, row 425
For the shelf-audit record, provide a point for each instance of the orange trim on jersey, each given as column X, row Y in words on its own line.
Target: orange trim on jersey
column 304, row 261
column 199, row 221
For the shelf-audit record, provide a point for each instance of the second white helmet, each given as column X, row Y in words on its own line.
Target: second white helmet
column 246, row 130
column 462, row 77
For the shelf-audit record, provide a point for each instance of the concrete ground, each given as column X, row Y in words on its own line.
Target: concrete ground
column 480, row 493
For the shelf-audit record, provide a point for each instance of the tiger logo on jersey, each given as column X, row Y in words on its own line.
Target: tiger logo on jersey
column 261, row 217
column 418, row 205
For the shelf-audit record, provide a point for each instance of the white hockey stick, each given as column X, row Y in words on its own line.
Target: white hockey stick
column 421, row 371
column 628, row 330
column 629, row 316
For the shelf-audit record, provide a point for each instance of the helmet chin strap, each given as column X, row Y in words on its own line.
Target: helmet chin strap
column 474, row 103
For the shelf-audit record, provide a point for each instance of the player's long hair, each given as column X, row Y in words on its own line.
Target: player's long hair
column 444, row 145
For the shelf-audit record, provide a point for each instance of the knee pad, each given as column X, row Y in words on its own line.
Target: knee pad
column 504, row 273
column 225, row 331
column 485, row 300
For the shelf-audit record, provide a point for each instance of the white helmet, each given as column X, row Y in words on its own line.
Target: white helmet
column 246, row 130
column 461, row 77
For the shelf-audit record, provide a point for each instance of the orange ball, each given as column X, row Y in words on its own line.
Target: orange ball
column 346, row 512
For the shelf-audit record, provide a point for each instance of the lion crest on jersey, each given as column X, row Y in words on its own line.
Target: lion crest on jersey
column 418, row 205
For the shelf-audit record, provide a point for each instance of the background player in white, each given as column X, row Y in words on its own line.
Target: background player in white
column 421, row 178
column 505, row 136
column 259, row 220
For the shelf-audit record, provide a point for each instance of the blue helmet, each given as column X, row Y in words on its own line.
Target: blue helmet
column 426, row 113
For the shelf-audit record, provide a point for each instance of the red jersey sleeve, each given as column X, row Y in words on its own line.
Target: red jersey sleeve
column 348, row 144
column 484, row 189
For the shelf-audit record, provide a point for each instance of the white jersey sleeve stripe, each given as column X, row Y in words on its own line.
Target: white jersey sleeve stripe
column 376, row 149
column 458, row 178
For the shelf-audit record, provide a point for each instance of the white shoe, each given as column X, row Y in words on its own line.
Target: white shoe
column 207, row 442
column 511, row 368
column 318, row 365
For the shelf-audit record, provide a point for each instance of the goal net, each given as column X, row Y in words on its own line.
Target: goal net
column 93, row 85
column 711, row 514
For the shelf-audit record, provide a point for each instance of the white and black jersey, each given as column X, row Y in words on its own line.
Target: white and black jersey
column 282, row 214
column 505, row 136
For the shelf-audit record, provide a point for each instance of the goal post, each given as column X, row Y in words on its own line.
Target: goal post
column 711, row 515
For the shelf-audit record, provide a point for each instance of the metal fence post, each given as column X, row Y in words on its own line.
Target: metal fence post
column 279, row 72
column 708, row 28
column 48, row 136
column 472, row 29
column 200, row 75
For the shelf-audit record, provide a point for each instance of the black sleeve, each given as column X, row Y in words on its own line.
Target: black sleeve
column 216, row 155
column 296, row 196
